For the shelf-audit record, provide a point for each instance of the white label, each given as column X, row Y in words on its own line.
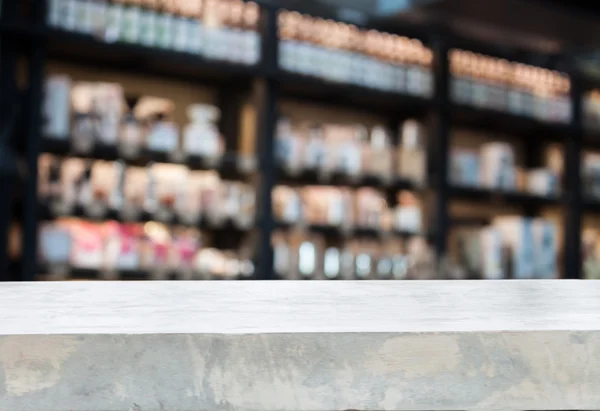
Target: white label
column 345, row 67
column 70, row 17
column 252, row 47
column 213, row 43
column 180, row 34
column 286, row 56
column 480, row 94
column 147, row 35
column 413, row 81
column 114, row 19
column 195, row 35
column 131, row 25
column 83, row 19
column 399, row 72
column 98, row 17
column 164, row 29
column 55, row 12
column 516, row 102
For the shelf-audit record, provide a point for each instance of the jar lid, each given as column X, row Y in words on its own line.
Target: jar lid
column 204, row 113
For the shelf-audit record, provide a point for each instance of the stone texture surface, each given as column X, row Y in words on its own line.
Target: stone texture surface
column 299, row 346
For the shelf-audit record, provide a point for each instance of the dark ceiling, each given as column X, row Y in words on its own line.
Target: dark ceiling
column 543, row 25
column 573, row 6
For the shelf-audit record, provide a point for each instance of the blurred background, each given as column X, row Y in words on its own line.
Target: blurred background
column 313, row 139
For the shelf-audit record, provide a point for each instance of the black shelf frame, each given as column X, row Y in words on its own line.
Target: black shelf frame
column 268, row 85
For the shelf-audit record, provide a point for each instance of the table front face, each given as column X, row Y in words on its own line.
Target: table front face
column 298, row 372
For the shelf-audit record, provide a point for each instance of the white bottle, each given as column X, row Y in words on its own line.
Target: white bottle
column 163, row 135
column 201, row 136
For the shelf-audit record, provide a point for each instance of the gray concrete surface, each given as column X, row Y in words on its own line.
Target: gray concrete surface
column 300, row 346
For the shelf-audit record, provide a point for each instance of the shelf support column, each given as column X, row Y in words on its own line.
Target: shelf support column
column 8, row 111
column 573, row 187
column 36, row 66
column 266, row 94
column 440, row 142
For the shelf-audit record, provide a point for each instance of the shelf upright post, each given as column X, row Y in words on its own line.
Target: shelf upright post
column 440, row 141
column 36, row 64
column 573, row 187
column 230, row 105
column 266, row 95
column 8, row 165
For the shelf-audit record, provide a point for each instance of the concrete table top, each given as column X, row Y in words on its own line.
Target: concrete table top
column 300, row 346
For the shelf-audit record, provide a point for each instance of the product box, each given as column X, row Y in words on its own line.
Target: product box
column 411, row 154
column 314, row 148
column 412, row 165
column 545, row 235
column 370, row 206
column 465, row 168
column 55, row 243
column 201, row 136
column 543, row 182
column 518, row 238
column 122, row 246
column 591, row 175
column 287, row 147
column 492, row 266
column 287, row 205
column 380, row 156
column 282, row 263
column 135, row 190
column 470, row 250
column 88, row 245
column 72, row 185
column 57, row 107
column 498, row 166
column 591, row 110
column 170, row 189
column 407, row 215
